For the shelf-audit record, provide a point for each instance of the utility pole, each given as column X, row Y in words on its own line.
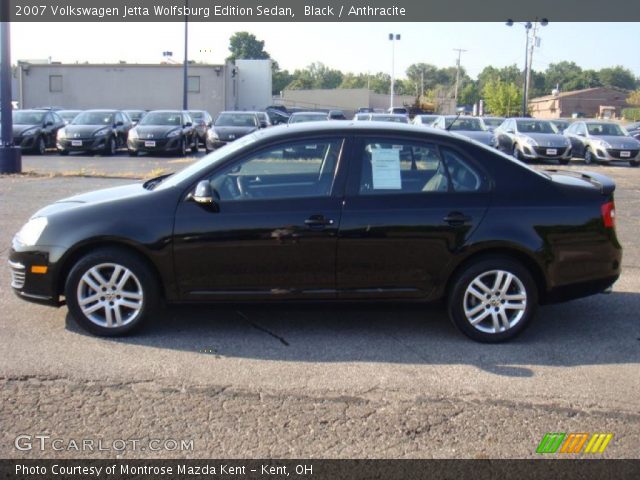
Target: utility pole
column 393, row 37
column 455, row 94
column 185, row 73
column 422, row 83
column 535, row 42
column 10, row 156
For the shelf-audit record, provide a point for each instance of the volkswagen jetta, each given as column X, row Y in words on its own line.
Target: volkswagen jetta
column 329, row 211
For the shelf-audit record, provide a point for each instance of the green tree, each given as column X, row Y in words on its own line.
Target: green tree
column 634, row 98
column 510, row 74
column 245, row 45
column 619, row 77
column 316, row 75
column 502, row 98
column 469, row 94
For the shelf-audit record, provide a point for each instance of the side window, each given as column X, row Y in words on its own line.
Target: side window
column 119, row 118
column 463, row 177
column 57, row 119
column 290, row 170
column 401, row 167
column 47, row 118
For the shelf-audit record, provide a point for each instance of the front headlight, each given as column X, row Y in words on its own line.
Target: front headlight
column 30, row 233
column 102, row 132
column 173, row 133
column 212, row 134
column 29, row 132
column 133, row 134
column 530, row 141
column 493, row 141
column 602, row 144
column 62, row 133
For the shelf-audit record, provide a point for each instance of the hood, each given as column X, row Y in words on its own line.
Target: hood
column 547, row 139
column 90, row 198
column 482, row 137
column 231, row 133
column 20, row 129
column 618, row 142
column 82, row 131
column 155, row 131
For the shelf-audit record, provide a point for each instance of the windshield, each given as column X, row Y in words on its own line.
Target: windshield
column 560, row 125
column 135, row 116
column 610, row 129
column 196, row 115
column 535, row 126
column 93, row 118
column 493, row 122
column 390, row 118
column 28, row 118
column 307, row 117
column 428, row 118
column 162, row 118
column 465, row 124
column 208, row 161
column 236, row 120
column 68, row 115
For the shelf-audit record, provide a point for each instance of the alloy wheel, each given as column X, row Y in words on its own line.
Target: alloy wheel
column 110, row 295
column 495, row 301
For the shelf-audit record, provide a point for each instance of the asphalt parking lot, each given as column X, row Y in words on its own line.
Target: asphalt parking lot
column 336, row 381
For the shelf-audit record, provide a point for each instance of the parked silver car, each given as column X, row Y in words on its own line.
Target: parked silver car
column 492, row 122
column 533, row 139
column 425, row 120
column 470, row 127
column 598, row 141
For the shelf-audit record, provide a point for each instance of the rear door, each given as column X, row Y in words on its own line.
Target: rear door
column 410, row 207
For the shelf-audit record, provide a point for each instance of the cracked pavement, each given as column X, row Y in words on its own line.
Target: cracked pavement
column 320, row 381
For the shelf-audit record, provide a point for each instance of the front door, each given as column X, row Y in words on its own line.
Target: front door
column 275, row 232
column 410, row 206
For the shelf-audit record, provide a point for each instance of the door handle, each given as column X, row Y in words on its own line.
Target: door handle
column 457, row 219
column 318, row 221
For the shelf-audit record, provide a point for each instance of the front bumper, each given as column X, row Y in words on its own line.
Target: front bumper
column 93, row 144
column 28, row 285
column 25, row 143
column 545, row 153
column 615, row 154
column 159, row 145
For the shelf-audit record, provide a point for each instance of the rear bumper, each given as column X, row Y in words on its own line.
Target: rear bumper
column 579, row 290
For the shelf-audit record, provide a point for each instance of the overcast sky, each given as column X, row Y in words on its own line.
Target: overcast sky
column 350, row 47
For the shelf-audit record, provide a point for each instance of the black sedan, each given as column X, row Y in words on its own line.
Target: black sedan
column 230, row 126
column 95, row 131
column 163, row 131
column 371, row 212
column 35, row 130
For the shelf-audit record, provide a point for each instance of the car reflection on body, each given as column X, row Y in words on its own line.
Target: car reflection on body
column 35, row 130
column 603, row 142
column 230, row 126
column 163, row 131
column 470, row 127
column 373, row 211
column 95, row 131
column 530, row 139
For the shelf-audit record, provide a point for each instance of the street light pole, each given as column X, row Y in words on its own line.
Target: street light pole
column 393, row 37
column 455, row 94
column 10, row 156
column 185, row 87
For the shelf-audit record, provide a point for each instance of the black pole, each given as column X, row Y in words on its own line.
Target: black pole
column 526, row 70
column 10, row 157
column 185, row 86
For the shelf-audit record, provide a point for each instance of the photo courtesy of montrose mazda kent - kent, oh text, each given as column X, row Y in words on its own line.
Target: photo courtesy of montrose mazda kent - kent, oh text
column 329, row 211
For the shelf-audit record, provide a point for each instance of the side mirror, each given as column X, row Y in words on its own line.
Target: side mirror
column 119, row 124
column 188, row 124
column 48, row 124
column 263, row 124
column 204, row 196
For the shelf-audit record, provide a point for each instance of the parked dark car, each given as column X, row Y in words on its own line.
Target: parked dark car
column 602, row 142
column 277, row 117
column 530, row 139
column 263, row 119
column 302, row 117
column 95, row 131
column 374, row 211
column 135, row 115
column 230, row 126
column 163, row 131
column 336, row 115
column 634, row 130
column 202, row 121
column 68, row 115
column 470, row 127
column 35, row 130
column 399, row 111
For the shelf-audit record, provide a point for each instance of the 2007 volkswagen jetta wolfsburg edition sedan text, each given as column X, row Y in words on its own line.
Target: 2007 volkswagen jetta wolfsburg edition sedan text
column 329, row 211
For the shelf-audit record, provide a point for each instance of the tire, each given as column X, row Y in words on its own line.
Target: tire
column 135, row 300
column 588, row 156
column 481, row 274
column 634, row 163
column 110, row 147
column 40, row 147
column 64, row 153
column 516, row 153
column 183, row 147
column 133, row 153
column 195, row 147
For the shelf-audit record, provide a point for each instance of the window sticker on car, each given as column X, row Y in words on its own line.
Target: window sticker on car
column 385, row 166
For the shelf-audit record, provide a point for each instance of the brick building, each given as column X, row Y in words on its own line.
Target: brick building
column 586, row 102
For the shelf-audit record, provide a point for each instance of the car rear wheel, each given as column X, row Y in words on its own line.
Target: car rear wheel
column 493, row 299
column 183, row 147
column 133, row 153
column 41, row 146
column 194, row 148
column 110, row 147
column 63, row 152
column 516, row 152
column 111, row 292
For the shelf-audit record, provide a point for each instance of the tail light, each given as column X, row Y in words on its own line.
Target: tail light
column 609, row 214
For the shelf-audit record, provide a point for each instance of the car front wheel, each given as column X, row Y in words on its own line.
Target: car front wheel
column 493, row 299
column 111, row 292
